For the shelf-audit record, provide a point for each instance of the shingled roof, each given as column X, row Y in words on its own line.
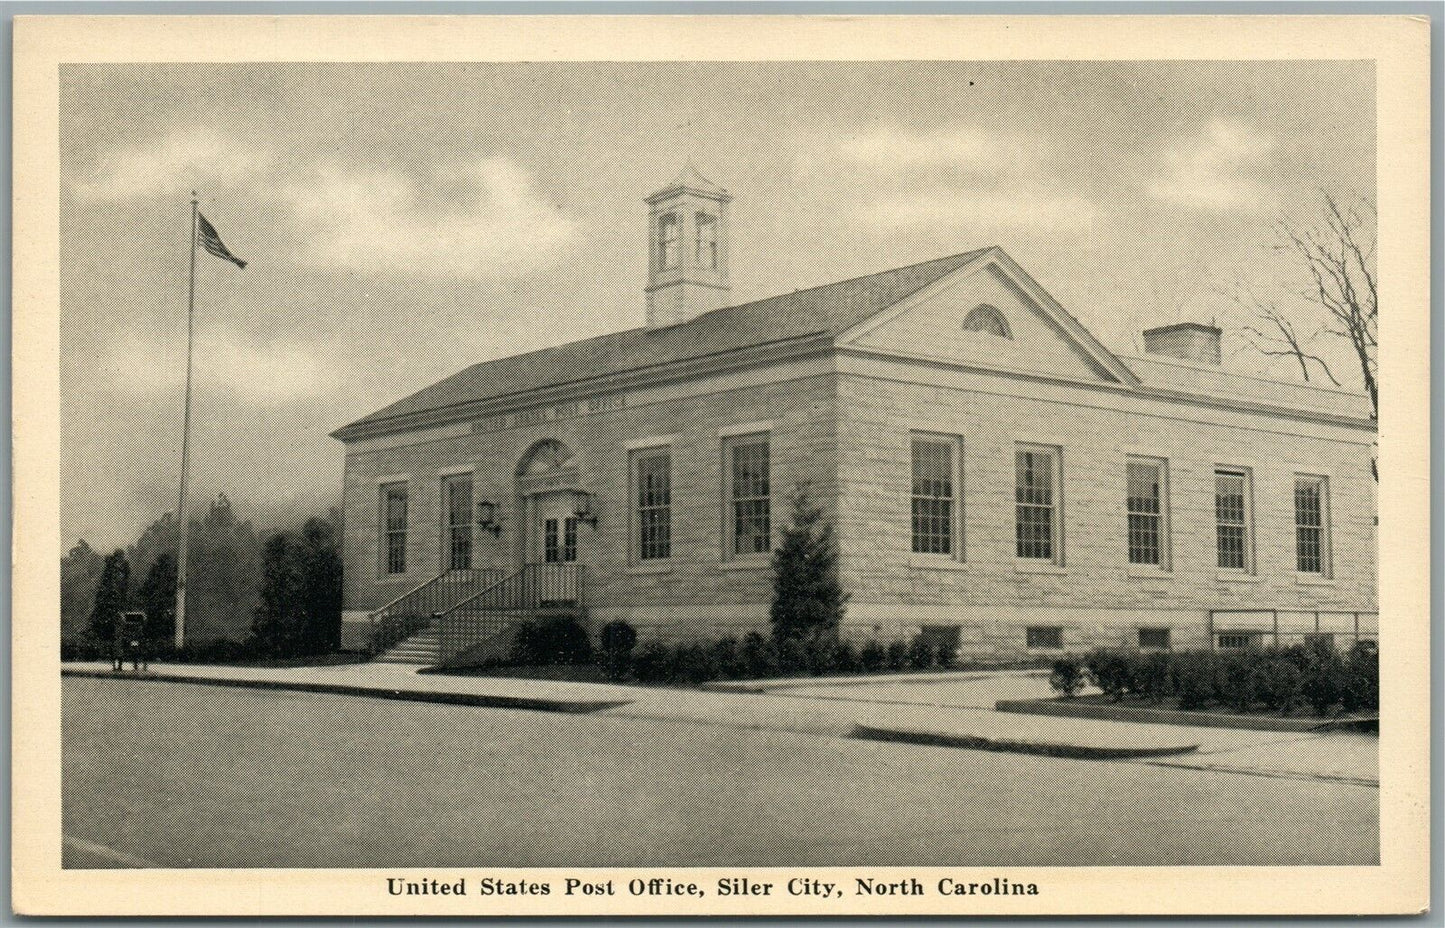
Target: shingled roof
column 829, row 309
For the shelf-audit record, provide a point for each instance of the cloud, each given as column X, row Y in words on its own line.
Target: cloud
column 268, row 374
column 197, row 158
column 1217, row 169
column 968, row 149
column 960, row 178
column 976, row 209
column 481, row 219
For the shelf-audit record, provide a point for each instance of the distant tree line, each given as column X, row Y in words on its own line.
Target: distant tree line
column 247, row 594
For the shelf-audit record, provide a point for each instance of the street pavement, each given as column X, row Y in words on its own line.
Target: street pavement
column 179, row 775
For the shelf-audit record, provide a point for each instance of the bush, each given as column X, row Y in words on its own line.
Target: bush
column 1277, row 681
column 727, row 659
column 1362, row 679
column 1324, row 677
column 1192, row 678
column 947, row 656
column 843, row 657
column 1111, row 671
column 1152, row 679
column 1234, row 679
column 872, row 657
column 792, row 657
column 897, row 655
column 560, row 640
column 617, row 640
column 759, row 657
column 1068, row 677
column 692, row 664
column 921, row 654
column 652, row 662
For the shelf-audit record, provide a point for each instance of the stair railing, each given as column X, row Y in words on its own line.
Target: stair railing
column 490, row 613
column 415, row 609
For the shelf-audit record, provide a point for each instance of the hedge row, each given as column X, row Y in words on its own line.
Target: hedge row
column 756, row 656
column 1273, row 679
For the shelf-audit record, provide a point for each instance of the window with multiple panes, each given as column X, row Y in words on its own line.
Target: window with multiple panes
column 1231, row 518
column 934, row 489
column 1036, row 495
column 559, row 540
column 1154, row 638
column 706, row 255
column 1145, row 503
column 393, row 517
column 1234, row 640
column 457, row 537
column 749, row 495
column 1311, row 505
column 1050, row 637
column 652, row 470
column 667, row 240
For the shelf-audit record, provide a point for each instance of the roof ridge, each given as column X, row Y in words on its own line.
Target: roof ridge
column 777, row 296
column 849, row 280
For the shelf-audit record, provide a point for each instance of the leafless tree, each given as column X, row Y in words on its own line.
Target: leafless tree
column 1337, row 254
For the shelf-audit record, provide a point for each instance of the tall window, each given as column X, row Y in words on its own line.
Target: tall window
column 653, row 479
column 457, row 498
column 933, row 495
column 1311, row 503
column 393, row 514
column 1036, row 497
column 706, row 241
column 667, row 240
column 750, row 502
column 1231, row 518
column 1145, row 503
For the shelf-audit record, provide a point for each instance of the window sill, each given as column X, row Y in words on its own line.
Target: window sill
column 1142, row 572
column 1240, row 576
column 749, row 563
column 1039, row 567
column 651, row 567
column 1313, row 580
column 935, row 562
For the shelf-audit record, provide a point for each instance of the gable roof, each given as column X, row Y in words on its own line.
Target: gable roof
column 827, row 310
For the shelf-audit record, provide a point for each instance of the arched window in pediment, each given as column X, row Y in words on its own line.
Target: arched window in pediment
column 984, row 318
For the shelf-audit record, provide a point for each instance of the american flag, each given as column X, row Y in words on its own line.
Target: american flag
column 212, row 242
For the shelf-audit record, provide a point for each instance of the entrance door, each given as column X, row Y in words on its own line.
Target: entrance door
column 555, row 548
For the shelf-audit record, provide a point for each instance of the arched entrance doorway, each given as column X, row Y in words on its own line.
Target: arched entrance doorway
column 550, row 542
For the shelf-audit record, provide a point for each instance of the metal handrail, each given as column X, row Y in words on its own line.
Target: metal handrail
column 1273, row 628
column 423, row 597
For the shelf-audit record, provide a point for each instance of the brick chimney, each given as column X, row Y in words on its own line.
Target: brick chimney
column 1188, row 341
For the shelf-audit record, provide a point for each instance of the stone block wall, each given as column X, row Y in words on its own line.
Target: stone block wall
column 698, row 591
column 1093, row 593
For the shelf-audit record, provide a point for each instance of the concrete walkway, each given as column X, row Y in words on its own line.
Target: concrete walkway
column 949, row 710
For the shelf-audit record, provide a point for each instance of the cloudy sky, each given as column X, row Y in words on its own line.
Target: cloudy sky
column 404, row 221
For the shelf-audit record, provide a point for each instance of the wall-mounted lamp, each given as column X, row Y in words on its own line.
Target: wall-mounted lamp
column 487, row 519
column 582, row 507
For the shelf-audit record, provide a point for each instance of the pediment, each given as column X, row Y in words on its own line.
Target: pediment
column 990, row 314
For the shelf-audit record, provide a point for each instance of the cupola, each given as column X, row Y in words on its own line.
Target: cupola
column 687, row 232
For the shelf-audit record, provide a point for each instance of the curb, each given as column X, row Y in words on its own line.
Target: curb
column 789, row 683
column 1148, row 716
column 573, row 706
column 980, row 743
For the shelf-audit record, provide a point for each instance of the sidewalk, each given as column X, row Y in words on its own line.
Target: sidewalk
column 948, row 711
column 386, row 681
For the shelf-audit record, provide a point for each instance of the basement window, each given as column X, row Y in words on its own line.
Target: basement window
column 1046, row 637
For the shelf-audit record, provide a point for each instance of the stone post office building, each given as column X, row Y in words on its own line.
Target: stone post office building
column 996, row 476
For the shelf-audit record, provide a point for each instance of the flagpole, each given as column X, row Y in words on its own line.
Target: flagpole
column 184, row 517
